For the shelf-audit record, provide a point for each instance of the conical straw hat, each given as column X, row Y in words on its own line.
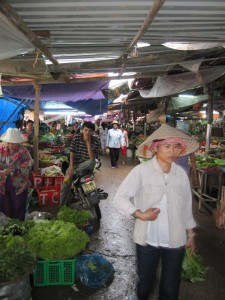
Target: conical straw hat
column 163, row 132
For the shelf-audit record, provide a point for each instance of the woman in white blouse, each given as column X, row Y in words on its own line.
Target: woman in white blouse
column 158, row 195
column 114, row 142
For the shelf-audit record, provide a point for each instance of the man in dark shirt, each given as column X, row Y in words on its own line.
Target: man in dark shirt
column 83, row 150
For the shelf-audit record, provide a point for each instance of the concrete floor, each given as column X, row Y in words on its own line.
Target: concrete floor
column 114, row 241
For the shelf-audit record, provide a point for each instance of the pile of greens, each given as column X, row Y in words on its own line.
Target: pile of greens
column 46, row 138
column 16, row 227
column 193, row 268
column 208, row 162
column 77, row 217
column 56, row 239
column 16, row 259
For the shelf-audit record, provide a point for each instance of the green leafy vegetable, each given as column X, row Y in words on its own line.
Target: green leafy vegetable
column 16, row 227
column 56, row 240
column 15, row 258
column 74, row 216
column 193, row 268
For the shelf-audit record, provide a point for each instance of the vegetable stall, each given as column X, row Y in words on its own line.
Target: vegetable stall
column 35, row 245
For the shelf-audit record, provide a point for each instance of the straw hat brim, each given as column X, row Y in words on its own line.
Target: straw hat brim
column 163, row 132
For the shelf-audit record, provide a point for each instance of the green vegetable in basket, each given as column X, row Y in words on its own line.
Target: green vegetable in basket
column 193, row 268
column 77, row 217
column 16, row 259
column 16, row 227
column 56, row 240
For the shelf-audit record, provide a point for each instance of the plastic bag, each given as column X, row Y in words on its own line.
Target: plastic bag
column 4, row 220
column 123, row 150
column 94, row 271
column 20, row 290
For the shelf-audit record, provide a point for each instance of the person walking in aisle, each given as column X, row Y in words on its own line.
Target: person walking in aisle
column 158, row 195
column 103, row 132
column 125, row 144
column 114, row 141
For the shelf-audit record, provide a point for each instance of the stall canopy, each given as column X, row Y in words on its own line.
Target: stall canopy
column 11, row 111
column 84, row 96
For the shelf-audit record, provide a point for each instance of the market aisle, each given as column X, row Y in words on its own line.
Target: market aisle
column 114, row 241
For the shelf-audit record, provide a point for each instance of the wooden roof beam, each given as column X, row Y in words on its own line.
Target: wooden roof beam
column 18, row 22
column 9, row 12
column 157, row 4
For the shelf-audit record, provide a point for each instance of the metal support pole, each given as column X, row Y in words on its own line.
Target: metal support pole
column 209, row 117
column 36, row 125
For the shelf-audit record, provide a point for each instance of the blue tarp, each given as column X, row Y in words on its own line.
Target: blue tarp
column 84, row 96
column 11, row 110
column 90, row 106
column 62, row 92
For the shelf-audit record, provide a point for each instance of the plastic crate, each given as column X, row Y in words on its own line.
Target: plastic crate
column 54, row 272
column 40, row 180
column 48, row 195
column 58, row 181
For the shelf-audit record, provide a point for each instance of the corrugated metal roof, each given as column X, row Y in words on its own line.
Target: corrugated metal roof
column 106, row 31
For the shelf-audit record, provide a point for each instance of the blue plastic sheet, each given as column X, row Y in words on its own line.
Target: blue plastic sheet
column 94, row 271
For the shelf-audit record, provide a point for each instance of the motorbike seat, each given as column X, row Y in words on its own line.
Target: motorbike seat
column 80, row 174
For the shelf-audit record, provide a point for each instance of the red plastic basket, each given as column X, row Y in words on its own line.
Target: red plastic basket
column 37, row 179
column 48, row 195
column 40, row 180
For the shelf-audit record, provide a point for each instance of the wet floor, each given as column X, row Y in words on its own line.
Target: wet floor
column 114, row 241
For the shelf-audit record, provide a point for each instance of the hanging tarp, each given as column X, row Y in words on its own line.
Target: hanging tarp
column 185, row 101
column 62, row 92
column 174, row 84
column 90, row 106
column 11, row 111
column 84, row 96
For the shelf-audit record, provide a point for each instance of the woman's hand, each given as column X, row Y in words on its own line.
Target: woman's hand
column 190, row 243
column 6, row 172
column 150, row 214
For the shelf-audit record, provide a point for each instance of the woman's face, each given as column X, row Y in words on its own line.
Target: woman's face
column 168, row 153
column 29, row 127
column 13, row 147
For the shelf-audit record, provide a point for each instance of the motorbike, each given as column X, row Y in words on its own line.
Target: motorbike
column 86, row 194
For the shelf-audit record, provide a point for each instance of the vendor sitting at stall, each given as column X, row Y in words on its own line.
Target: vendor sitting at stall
column 28, row 131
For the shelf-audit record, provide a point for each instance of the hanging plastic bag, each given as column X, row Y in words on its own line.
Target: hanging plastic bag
column 94, row 271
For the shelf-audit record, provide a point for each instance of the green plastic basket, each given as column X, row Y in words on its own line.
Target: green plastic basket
column 54, row 272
